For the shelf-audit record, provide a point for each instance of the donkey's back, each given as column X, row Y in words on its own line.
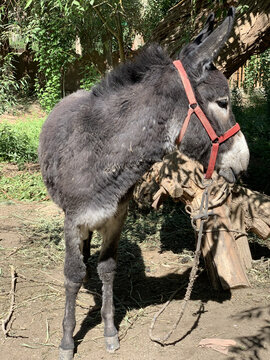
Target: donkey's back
column 95, row 145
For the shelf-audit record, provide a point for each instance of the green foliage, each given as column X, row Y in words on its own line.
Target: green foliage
column 252, row 73
column 90, row 77
column 54, row 35
column 254, row 120
column 19, row 142
column 10, row 89
column 14, row 146
column 103, row 27
column 265, row 71
column 258, row 70
column 155, row 11
column 242, row 9
column 236, row 97
column 8, row 85
column 23, row 187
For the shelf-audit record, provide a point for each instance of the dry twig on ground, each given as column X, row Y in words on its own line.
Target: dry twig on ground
column 6, row 321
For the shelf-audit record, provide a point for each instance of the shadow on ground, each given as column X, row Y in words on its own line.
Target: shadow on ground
column 135, row 288
column 252, row 344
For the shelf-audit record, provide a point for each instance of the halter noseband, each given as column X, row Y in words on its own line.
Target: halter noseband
column 195, row 108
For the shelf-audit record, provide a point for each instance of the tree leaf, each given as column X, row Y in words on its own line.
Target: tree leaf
column 75, row 2
column 29, row 2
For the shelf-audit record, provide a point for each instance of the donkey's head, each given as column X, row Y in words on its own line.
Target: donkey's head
column 213, row 96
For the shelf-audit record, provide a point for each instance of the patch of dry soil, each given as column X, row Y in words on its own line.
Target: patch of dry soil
column 145, row 280
column 32, row 111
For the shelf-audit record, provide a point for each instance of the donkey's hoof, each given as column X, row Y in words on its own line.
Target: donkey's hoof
column 66, row 354
column 112, row 343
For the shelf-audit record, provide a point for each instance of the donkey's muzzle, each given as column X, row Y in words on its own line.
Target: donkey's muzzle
column 228, row 175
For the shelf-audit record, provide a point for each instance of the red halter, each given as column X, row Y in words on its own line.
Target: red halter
column 195, row 108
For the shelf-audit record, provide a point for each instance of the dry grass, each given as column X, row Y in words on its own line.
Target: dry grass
column 260, row 273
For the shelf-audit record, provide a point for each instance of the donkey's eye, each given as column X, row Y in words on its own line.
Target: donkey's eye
column 222, row 103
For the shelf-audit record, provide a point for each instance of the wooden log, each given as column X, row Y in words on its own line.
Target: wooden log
column 254, row 208
column 237, row 218
column 226, row 256
column 225, row 248
column 260, row 228
column 224, row 265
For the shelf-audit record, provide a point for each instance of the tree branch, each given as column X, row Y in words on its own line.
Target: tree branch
column 98, row 12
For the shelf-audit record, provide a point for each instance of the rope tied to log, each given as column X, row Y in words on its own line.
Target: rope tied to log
column 201, row 216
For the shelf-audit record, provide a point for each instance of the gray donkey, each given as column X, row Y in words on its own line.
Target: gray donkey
column 95, row 145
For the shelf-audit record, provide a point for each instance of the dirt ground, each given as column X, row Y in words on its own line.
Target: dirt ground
column 146, row 278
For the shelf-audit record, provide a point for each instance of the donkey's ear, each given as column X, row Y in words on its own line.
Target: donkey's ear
column 209, row 49
column 208, row 28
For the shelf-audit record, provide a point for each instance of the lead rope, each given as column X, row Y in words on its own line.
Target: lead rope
column 203, row 216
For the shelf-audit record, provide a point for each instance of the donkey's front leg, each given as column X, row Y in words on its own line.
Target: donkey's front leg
column 111, row 232
column 74, row 273
column 106, row 271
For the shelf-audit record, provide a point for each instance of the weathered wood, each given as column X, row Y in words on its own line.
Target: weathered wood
column 225, row 253
column 237, row 210
column 244, row 251
column 221, row 254
column 237, row 218
column 260, row 228
column 255, row 208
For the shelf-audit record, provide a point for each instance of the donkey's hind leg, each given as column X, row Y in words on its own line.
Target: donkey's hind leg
column 74, row 271
column 111, row 232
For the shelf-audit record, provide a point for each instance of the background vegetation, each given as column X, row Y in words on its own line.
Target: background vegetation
column 45, row 43
column 104, row 31
column 49, row 48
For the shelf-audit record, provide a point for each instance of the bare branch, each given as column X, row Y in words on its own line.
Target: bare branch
column 99, row 14
column 6, row 321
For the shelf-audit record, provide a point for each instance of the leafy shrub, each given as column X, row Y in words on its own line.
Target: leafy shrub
column 10, row 88
column 23, row 186
column 90, row 77
column 19, row 142
column 54, row 34
column 253, row 116
column 258, row 70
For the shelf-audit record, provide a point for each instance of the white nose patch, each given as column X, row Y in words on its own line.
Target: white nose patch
column 237, row 157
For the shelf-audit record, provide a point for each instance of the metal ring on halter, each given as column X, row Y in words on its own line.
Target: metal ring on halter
column 193, row 108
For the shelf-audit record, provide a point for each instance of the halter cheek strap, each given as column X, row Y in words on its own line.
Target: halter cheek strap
column 195, row 108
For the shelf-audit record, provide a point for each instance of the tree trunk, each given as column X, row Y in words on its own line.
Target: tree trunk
column 251, row 33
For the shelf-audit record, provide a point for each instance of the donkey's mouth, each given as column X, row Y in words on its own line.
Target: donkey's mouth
column 228, row 174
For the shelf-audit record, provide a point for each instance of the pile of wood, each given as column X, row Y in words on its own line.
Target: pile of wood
column 236, row 210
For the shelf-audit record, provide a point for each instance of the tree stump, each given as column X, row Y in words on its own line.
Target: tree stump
column 236, row 210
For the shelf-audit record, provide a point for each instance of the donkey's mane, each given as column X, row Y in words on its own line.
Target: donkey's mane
column 133, row 71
